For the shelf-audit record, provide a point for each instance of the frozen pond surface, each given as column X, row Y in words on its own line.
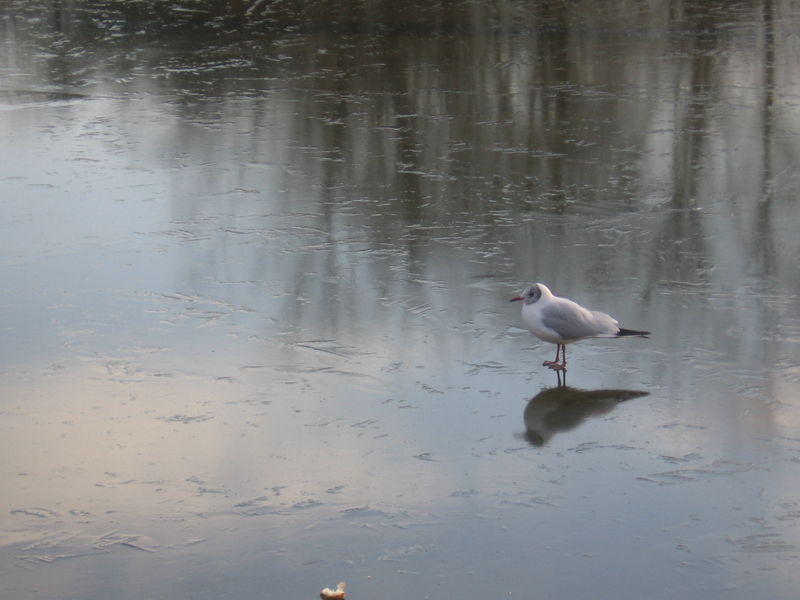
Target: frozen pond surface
column 255, row 336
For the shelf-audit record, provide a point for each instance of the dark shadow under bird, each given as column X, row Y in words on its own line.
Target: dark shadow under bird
column 563, row 408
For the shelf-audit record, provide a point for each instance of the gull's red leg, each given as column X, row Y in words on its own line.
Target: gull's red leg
column 554, row 364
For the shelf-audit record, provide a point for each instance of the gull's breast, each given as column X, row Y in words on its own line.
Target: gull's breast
column 531, row 317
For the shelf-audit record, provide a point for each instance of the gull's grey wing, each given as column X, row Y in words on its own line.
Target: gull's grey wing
column 573, row 322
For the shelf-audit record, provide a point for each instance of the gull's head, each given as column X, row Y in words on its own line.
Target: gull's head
column 532, row 293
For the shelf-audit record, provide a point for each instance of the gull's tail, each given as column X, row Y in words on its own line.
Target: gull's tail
column 626, row 332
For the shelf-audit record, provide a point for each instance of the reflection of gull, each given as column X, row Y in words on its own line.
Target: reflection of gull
column 561, row 321
column 563, row 408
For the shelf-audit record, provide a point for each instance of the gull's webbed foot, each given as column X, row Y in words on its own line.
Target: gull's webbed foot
column 556, row 366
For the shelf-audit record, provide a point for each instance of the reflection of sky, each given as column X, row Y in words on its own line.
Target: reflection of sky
column 289, row 308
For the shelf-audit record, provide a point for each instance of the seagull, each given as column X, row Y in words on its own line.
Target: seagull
column 561, row 321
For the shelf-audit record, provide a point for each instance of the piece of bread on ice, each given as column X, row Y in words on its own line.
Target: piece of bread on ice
column 337, row 594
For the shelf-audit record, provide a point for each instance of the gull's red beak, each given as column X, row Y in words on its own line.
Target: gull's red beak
column 515, row 298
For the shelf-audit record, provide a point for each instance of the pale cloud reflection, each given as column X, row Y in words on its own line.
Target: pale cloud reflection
column 116, row 440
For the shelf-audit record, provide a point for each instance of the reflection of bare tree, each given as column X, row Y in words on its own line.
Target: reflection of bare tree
column 386, row 143
column 681, row 255
column 763, row 243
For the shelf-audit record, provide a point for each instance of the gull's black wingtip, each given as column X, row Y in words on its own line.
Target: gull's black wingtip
column 626, row 332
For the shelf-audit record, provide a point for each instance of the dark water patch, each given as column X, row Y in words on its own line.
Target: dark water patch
column 33, row 98
column 41, row 513
column 762, row 542
column 186, row 419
